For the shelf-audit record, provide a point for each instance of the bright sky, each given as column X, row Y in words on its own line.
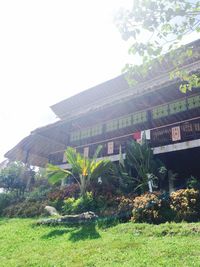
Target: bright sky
column 50, row 50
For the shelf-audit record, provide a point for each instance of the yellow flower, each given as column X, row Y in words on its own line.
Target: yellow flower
column 84, row 172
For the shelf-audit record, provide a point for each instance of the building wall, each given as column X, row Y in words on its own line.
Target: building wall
column 164, row 111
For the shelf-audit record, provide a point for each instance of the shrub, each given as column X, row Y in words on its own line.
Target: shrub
column 106, row 206
column 186, row 204
column 57, row 204
column 39, row 193
column 7, row 199
column 70, row 191
column 25, row 209
column 82, row 204
column 4, row 201
column 108, row 188
column 152, row 208
column 193, row 182
column 125, row 208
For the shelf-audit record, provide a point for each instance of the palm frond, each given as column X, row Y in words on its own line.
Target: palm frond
column 56, row 174
column 96, row 154
column 74, row 159
column 100, row 168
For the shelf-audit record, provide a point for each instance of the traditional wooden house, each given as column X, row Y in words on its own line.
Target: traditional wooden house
column 112, row 113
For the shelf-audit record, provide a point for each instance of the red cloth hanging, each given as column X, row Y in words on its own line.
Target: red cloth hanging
column 137, row 136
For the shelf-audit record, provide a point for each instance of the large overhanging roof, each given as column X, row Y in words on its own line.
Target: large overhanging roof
column 36, row 148
column 117, row 89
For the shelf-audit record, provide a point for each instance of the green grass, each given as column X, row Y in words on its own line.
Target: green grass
column 22, row 244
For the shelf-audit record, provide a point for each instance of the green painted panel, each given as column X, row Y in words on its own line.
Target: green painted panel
column 160, row 112
column 193, row 102
column 112, row 125
column 178, row 106
column 139, row 117
column 74, row 136
column 125, row 122
column 85, row 133
column 96, row 130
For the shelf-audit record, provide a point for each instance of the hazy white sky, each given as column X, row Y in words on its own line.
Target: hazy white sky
column 50, row 50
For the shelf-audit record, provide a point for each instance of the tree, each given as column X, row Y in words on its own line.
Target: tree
column 83, row 170
column 17, row 177
column 157, row 28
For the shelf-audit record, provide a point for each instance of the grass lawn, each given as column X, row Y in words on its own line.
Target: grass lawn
column 22, row 244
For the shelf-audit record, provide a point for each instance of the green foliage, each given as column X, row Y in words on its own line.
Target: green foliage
column 82, row 204
column 194, row 183
column 25, row 209
column 104, row 206
column 5, row 200
column 39, row 193
column 125, row 173
column 24, row 190
column 17, row 177
column 140, row 158
column 83, row 170
column 186, row 204
column 152, row 208
column 157, row 28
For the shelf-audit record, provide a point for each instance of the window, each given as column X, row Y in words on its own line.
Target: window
column 125, row 122
column 96, row 130
column 112, row 125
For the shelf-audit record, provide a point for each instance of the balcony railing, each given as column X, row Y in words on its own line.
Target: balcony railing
column 176, row 133
column 165, row 135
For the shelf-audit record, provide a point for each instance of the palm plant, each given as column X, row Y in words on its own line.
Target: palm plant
column 140, row 158
column 83, row 169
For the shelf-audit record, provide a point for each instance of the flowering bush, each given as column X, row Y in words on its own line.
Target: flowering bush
column 125, row 207
column 186, row 204
column 151, row 208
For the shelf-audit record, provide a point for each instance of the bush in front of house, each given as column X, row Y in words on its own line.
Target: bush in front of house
column 59, row 196
column 7, row 199
column 102, row 205
column 25, row 209
column 193, row 183
column 152, row 208
column 79, row 205
column 181, row 205
column 69, row 191
column 4, row 202
column 186, row 205
column 125, row 207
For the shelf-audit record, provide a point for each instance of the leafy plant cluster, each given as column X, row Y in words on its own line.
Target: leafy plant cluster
column 25, row 209
column 156, row 29
column 108, row 189
column 151, row 208
column 181, row 205
column 25, row 191
column 61, row 193
column 186, row 204
column 17, row 178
